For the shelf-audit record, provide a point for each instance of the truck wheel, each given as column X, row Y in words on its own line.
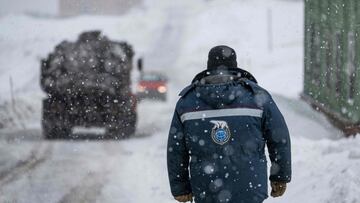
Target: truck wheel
column 54, row 119
column 55, row 132
column 55, row 129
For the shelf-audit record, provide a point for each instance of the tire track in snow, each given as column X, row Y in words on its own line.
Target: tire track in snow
column 38, row 156
column 90, row 188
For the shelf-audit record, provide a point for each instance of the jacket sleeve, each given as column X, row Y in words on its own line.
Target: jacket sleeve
column 178, row 159
column 278, row 143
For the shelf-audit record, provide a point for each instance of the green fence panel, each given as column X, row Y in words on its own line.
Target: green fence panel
column 332, row 56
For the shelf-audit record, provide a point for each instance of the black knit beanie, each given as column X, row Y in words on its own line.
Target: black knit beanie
column 221, row 57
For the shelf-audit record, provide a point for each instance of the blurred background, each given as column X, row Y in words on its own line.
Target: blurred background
column 170, row 41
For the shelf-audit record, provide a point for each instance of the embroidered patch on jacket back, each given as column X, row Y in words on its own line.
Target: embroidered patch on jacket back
column 220, row 133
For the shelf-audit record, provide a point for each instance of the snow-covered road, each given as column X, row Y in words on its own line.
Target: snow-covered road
column 174, row 37
column 88, row 171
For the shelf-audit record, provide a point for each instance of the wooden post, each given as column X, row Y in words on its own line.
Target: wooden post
column 270, row 29
column 12, row 93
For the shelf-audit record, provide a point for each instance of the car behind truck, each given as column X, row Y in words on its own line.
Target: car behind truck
column 88, row 84
column 152, row 85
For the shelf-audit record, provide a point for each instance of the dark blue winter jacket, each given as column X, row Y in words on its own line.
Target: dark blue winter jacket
column 220, row 127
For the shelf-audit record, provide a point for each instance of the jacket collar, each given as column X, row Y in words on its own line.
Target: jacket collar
column 244, row 77
column 229, row 71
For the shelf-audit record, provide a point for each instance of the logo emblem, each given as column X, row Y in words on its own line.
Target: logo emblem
column 220, row 133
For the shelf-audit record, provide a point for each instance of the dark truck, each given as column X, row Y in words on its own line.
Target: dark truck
column 88, row 84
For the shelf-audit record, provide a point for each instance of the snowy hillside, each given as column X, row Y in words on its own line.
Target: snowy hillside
column 173, row 37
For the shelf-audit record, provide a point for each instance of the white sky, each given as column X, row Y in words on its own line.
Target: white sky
column 34, row 6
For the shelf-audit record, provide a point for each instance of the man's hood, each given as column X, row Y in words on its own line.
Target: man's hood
column 220, row 88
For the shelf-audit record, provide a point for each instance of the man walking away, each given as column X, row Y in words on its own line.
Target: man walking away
column 220, row 127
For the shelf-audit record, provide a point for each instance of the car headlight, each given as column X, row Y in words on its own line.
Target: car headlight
column 162, row 89
column 140, row 88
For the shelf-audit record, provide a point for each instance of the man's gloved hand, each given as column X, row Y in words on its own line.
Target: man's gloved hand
column 184, row 198
column 278, row 188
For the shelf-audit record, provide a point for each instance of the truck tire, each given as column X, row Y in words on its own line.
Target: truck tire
column 54, row 123
column 55, row 132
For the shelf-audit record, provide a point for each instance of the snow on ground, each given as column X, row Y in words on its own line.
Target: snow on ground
column 174, row 37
